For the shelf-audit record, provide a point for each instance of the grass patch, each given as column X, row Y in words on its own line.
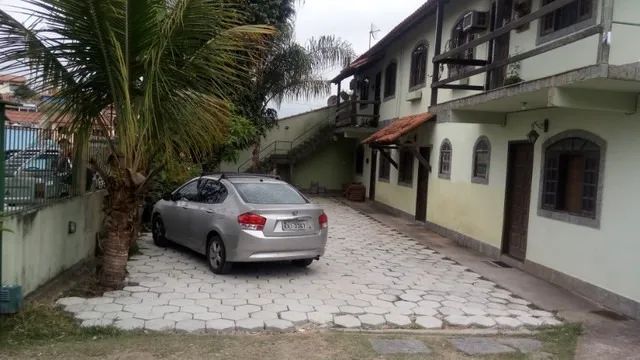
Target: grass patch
column 46, row 324
column 561, row 341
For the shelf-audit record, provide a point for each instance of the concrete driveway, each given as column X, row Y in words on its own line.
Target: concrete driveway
column 371, row 277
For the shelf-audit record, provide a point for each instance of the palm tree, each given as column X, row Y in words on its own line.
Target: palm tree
column 291, row 71
column 166, row 67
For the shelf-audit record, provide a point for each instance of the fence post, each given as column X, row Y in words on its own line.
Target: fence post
column 80, row 161
column 2, row 164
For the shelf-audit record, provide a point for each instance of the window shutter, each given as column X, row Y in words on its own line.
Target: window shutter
column 551, row 180
column 590, row 183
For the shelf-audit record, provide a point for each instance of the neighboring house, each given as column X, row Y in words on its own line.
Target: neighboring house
column 9, row 83
column 515, row 131
column 511, row 126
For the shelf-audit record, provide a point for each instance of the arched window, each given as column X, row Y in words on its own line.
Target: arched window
column 481, row 161
column 390, row 80
column 418, row 75
column 444, row 168
column 572, row 175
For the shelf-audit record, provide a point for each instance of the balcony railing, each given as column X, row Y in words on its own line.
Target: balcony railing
column 351, row 113
column 487, row 66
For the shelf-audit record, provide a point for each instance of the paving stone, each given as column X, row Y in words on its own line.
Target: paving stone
column 250, row 324
column 509, row 322
column 107, row 308
column 429, row 322
column 346, row 321
column 372, row 320
column 190, row 326
column 530, row 321
column 320, row 318
column 264, row 315
column 278, row 325
column 88, row 315
column 128, row 300
column 327, row 309
column 96, row 323
column 524, row 345
column 260, row 301
column 425, row 311
column 70, row 301
column 235, row 315
column 483, row 321
column 414, row 282
column 220, row 325
column 120, row 315
column 207, row 316
column 398, row 320
column 100, row 301
column 194, row 309
column 160, row 325
column 458, row 320
column 294, row 316
column 129, row 324
column 178, row 316
column 391, row 347
column 354, row 310
column 480, row 346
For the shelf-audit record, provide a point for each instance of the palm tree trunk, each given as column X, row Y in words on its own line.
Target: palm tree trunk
column 120, row 228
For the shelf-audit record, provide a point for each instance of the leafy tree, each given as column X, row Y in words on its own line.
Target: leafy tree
column 24, row 92
column 168, row 69
column 288, row 70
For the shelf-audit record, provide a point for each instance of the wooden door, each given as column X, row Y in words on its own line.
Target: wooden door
column 423, row 186
column 501, row 45
column 374, row 171
column 518, row 198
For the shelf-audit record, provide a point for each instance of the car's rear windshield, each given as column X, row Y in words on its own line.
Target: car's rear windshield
column 269, row 193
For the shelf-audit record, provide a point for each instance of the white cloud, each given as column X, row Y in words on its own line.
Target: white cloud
column 348, row 19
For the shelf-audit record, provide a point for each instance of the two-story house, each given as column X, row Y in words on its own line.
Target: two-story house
column 511, row 126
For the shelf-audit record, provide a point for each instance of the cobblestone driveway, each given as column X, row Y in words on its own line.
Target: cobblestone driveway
column 371, row 277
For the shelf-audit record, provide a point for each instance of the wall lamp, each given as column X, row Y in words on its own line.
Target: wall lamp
column 533, row 135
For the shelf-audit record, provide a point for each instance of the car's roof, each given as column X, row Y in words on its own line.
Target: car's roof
column 246, row 179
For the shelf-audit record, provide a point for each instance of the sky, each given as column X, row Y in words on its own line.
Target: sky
column 349, row 20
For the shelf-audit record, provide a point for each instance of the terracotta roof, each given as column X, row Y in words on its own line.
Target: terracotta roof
column 24, row 117
column 13, row 78
column 376, row 52
column 394, row 131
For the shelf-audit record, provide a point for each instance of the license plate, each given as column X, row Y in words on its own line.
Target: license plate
column 295, row 225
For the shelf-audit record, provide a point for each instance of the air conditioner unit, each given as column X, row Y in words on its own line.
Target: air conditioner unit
column 475, row 21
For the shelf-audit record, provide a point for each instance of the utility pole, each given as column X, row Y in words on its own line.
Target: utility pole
column 372, row 34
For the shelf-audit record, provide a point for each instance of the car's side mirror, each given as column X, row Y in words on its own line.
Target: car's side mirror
column 167, row 197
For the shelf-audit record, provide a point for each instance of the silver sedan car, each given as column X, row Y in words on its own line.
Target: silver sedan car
column 241, row 218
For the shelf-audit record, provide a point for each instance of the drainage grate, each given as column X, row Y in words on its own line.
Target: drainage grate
column 499, row 264
column 610, row 315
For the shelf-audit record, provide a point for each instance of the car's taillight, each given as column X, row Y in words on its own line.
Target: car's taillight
column 251, row 221
column 324, row 221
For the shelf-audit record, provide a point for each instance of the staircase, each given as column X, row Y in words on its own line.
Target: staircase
column 289, row 152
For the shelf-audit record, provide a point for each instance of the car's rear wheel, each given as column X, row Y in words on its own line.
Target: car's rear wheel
column 217, row 256
column 158, row 232
column 302, row 263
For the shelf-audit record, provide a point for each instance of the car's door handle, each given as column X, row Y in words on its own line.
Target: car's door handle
column 210, row 212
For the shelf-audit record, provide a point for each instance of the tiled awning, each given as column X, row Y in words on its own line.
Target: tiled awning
column 398, row 128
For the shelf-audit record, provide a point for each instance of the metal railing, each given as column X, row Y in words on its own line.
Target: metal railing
column 39, row 167
column 349, row 114
column 284, row 147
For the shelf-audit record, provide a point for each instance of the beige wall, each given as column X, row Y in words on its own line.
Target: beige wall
column 331, row 166
column 625, row 36
column 288, row 129
column 39, row 246
column 477, row 210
